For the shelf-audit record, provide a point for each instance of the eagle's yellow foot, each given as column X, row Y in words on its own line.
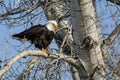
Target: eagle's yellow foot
column 46, row 51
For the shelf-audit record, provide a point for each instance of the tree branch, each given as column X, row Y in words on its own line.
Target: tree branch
column 112, row 36
column 107, row 43
column 115, row 2
column 37, row 53
column 15, row 11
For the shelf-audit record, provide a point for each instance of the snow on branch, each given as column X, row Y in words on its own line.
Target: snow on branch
column 37, row 53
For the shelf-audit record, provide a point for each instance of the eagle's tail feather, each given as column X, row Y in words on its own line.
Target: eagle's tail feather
column 19, row 37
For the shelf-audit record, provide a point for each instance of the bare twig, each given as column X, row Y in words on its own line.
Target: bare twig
column 14, row 11
column 26, row 72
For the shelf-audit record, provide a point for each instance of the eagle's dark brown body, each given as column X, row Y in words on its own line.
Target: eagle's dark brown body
column 38, row 35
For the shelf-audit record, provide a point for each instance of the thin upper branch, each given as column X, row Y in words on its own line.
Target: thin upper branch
column 15, row 11
column 36, row 53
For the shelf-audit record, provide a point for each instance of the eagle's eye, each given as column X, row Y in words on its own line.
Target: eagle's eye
column 53, row 24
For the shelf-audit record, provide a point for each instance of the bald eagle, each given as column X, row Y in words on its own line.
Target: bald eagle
column 39, row 35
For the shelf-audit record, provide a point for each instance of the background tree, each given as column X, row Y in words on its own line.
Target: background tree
column 83, row 52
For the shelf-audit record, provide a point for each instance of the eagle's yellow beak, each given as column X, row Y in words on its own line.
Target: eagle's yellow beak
column 55, row 27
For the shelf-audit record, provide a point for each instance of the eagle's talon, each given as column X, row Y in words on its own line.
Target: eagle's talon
column 46, row 51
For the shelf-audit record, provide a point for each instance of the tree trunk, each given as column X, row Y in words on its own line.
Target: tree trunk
column 84, row 22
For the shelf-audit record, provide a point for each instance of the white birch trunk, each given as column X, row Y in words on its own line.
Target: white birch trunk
column 84, row 23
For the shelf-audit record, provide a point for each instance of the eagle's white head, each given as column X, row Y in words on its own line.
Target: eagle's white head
column 52, row 25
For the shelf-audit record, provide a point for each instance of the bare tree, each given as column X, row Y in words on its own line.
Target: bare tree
column 82, row 52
